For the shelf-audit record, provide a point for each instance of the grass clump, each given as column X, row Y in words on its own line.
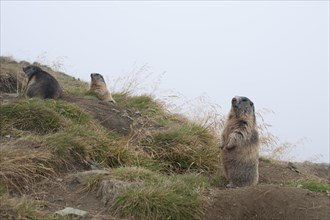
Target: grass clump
column 314, row 185
column 68, row 110
column 265, row 160
column 40, row 116
column 94, row 143
column 26, row 208
column 145, row 104
column 188, row 147
column 30, row 115
column 159, row 196
column 20, row 170
column 17, row 208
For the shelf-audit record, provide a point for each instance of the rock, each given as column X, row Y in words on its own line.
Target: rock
column 293, row 167
column 68, row 211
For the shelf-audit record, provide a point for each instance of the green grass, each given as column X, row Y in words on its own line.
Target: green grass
column 30, row 115
column 39, row 116
column 153, row 195
column 188, row 147
column 159, row 196
column 92, row 142
column 145, row 104
column 264, row 159
column 314, row 185
column 68, row 110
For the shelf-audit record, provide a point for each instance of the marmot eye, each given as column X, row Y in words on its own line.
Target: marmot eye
column 244, row 99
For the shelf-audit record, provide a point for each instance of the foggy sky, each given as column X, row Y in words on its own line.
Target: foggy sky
column 275, row 52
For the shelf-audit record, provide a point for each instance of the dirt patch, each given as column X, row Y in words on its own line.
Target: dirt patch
column 267, row 202
column 108, row 114
column 62, row 192
column 284, row 172
column 278, row 173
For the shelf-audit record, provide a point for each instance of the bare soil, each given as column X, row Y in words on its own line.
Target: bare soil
column 267, row 202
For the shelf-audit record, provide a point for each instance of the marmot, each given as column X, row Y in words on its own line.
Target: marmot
column 41, row 84
column 99, row 87
column 239, row 144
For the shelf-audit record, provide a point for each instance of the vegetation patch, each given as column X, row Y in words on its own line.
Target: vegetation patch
column 145, row 104
column 40, row 116
column 26, row 208
column 68, row 110
column 313, row 185
column 92, row 143
column 188, row 147
column 160, row 196
column 30, row 115
column 264, row 159
column 20, row 170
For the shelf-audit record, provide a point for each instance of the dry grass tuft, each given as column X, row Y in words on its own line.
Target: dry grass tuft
column 160, row 196
column 20, row 170
column 184, row 148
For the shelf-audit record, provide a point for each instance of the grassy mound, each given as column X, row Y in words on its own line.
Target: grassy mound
column 164, row 154
column 155, row 195
column 39, row 116
column 188, row 147
column 92, row 143
column 161, row 197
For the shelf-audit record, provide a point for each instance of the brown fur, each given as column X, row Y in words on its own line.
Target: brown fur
column 239, row 144
column 99, row 87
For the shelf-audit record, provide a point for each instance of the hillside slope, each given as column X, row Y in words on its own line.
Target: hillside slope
column 131, row 160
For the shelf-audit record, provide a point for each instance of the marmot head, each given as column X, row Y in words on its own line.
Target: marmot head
column 243, row 107
column 31, row 69
column 97, row 76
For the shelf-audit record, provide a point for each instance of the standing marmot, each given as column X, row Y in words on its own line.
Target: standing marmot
column 99, row 87
column 41, row 84
column 239, row 144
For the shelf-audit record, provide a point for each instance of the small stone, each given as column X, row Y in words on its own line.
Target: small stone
column 59, row 179
column 7, row 136
column 71, row 211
